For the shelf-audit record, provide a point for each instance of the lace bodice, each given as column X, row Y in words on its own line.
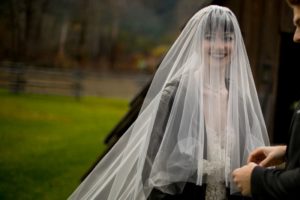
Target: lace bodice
column 214, row 166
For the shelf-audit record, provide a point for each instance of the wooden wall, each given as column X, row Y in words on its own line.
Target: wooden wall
column 261, row 23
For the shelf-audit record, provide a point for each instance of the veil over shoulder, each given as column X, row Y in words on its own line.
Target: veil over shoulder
column 199, row 121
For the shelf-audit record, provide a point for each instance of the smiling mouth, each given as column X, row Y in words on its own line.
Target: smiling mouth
column 218, row 55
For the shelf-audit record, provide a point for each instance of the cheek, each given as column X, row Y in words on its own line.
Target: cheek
column 229, row 48
column 206, row 46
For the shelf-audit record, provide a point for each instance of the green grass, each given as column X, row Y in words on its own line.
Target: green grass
column 48, row 142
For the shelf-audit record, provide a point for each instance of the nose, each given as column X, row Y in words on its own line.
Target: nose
column 297, row 35
column 219, row 44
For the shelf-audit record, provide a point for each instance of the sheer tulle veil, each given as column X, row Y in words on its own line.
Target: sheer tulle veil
column 199, row 121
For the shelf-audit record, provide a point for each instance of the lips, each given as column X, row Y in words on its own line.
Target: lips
column 218, row 55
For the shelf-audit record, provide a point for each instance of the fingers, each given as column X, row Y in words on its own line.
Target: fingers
column 256, row 156
column 252, row 164
column 251, row 158
column 234, row 174
column 245, row 193
column 265, row 162
column 241, row 177
column 237, row 180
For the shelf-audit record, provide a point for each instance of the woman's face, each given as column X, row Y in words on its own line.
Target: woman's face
column 217, row 48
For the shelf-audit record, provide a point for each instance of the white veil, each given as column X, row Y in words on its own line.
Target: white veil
column 199, row 121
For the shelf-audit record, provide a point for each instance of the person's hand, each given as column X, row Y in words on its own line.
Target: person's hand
column 268, row 156
column 242, row 178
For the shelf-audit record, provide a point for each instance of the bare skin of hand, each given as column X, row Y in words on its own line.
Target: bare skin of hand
column 242, row 178
column 268, row 156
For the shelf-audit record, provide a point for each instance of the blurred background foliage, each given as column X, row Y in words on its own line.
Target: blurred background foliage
column 90, row 33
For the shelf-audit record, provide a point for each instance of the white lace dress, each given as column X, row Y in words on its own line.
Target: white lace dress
column 214, row 167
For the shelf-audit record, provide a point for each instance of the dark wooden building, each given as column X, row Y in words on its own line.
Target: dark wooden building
column 267, row 29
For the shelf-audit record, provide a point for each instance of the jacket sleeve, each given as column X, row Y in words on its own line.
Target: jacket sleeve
column 159, row 126
column 161, row 119
column 275, row 184
column 281, row 184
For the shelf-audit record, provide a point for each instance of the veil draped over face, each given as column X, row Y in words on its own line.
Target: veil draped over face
column 199, row 121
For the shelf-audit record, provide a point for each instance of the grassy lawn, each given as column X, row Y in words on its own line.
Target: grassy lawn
column 48, row 142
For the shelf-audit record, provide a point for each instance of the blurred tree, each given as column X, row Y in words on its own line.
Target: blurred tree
column 94, row 32
column 26, row 18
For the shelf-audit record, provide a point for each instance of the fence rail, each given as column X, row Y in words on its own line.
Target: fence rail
column 19, row 78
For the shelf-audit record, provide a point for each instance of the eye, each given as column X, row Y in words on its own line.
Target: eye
column 228, row 38
column 208, row 37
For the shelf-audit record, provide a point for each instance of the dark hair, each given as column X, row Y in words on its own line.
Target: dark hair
column 216, row 20
column 294, row 2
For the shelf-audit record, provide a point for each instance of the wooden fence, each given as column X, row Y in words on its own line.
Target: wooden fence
column 19, row 78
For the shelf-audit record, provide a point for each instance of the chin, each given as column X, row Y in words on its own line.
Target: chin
column 219, row 62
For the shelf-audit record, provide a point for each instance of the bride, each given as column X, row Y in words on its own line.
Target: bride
column 199, row 121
